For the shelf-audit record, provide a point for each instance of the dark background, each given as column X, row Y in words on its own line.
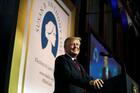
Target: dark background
column 8, row 22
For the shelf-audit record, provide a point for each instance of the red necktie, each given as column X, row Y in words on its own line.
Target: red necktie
column 77, row 65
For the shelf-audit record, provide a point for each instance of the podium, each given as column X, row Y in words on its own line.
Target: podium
column 120, row 84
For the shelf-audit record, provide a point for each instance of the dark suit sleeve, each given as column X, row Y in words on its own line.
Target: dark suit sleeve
column 64, row 73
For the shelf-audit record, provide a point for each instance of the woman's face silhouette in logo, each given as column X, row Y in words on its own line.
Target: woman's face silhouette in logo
column 50, row 32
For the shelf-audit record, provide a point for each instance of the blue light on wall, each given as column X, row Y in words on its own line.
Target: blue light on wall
column 124, row 20
column 114, row 6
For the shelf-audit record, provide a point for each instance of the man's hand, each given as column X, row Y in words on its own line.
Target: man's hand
column 98, row 83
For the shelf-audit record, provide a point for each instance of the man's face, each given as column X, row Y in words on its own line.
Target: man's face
column 73, row 47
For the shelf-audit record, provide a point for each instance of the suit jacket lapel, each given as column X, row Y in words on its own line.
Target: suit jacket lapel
column 70, row 61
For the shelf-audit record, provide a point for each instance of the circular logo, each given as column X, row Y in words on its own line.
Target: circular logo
column 49, row 33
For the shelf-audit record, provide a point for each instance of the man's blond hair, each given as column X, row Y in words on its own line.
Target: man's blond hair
column 70, row 39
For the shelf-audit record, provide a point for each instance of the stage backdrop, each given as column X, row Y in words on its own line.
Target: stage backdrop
column 41, row 30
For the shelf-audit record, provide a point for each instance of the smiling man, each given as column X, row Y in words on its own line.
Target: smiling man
column 69, row 75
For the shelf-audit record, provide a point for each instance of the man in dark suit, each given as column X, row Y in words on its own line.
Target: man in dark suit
column 69, row 75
